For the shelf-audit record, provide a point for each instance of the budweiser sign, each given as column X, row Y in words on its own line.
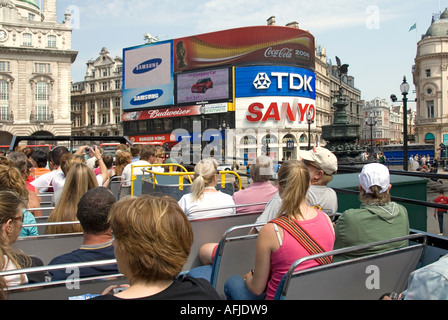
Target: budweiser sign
column 165, row 113
column 161, row 113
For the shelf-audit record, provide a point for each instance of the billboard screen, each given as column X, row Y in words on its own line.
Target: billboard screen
column 274, row 81
column 274, row 112
column 205, row 85
column 260, row 44
column 148, row 76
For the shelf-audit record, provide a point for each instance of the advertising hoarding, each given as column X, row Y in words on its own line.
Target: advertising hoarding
column 274, row 112
column 259, row 44
column 174, row 112
column 205, row 85
column 148, row 76
column 275, row 81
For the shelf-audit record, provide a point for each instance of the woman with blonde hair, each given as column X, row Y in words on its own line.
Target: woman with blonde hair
column 204, row 197
column 152, row 242
column 80, row 178
column 11, row 220
column 282, row 241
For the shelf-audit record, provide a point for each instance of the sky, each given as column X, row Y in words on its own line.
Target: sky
column 373, row 37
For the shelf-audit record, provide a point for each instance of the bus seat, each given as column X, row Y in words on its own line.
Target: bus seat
column 211, row 230
column 363, row 278
column 235, row 255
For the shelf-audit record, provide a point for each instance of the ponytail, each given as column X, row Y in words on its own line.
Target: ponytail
column 205, row 172
column 294, row 181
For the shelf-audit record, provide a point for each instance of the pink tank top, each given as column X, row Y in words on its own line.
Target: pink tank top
column 322, row 232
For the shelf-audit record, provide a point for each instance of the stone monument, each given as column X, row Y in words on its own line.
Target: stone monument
column 341, row 136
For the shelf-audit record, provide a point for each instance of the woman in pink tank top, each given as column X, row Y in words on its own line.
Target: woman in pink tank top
column 277, row 248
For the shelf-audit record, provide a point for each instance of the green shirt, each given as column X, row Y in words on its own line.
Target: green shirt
column 371, row 223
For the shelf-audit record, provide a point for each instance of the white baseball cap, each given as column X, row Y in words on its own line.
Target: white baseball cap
column 374, row 174
column 324, row 159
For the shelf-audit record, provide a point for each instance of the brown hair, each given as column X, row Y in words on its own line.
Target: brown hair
column 153, row 237
column 375, row 198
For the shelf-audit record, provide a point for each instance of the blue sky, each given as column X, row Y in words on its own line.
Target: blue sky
column 373, row 37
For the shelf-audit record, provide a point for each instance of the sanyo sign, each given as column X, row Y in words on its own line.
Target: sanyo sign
column 274, row 112
column 275, row 81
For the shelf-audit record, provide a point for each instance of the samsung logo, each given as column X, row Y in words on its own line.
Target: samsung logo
column 147, row 66
column 146, row 97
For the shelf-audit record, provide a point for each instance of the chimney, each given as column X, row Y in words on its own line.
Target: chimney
column 293, row 24
column 271, row 21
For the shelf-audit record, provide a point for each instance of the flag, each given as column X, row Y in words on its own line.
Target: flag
column 413, row 27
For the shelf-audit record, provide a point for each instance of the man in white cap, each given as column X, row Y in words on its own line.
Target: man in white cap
column 322, row 165
column 378, row 219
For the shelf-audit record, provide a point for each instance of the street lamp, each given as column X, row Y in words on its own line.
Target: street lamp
column 371, row 122
column 404, row 88
column 309, row 118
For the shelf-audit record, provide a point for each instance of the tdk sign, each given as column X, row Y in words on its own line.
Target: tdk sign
column 147, row 66
column 275, row 81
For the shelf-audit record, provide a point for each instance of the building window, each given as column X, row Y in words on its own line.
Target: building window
column 4, row 100
column 51, row 41
column 117, row 84
column 105, row 86
column 4, row 66
column 428, row 73
column 92, row 119
column 42, row 68
column 92, row 87
column 30, row 17
column 430, row 108
column 105, row 103
column 27, row 39
column 92, row 105
column 42, row 101
column 117, row 102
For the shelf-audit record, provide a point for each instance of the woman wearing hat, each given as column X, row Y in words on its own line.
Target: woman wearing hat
column 377, row 219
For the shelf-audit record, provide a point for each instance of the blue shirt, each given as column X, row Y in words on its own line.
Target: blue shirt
column 28, row 218
column 429, row 282
column 103, row 251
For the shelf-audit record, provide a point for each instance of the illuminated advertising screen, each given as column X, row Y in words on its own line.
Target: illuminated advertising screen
column 148, row 76
column 203, row 86
column 275, row 81
column 259, row 44
column 274, row 112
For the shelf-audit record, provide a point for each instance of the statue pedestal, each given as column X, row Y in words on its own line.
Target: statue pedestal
column 342, row 137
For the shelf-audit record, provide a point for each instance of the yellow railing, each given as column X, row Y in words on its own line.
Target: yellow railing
column 146, row 169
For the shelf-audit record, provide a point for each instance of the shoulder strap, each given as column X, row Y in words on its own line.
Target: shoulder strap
column 302, row 237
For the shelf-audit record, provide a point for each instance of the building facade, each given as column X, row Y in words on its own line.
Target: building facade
column 96, row 104
column 35, row 70
column 429, row 77
column 377, row 123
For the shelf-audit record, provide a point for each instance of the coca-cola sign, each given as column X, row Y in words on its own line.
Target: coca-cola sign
column 272, row 44
column 278, row 53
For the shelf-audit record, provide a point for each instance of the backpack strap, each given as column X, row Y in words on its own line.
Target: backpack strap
column 302, row 237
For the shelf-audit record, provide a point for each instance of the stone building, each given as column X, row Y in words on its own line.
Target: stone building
column 429, row 76
column 35, row 70
column 96, row 104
